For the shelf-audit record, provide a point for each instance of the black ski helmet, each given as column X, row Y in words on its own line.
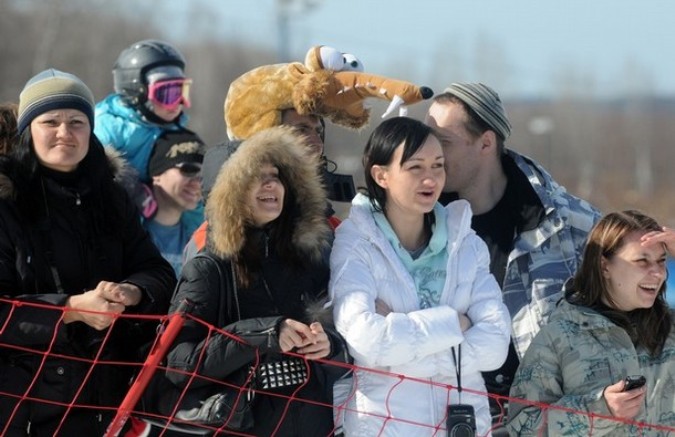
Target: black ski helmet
column 134, row 61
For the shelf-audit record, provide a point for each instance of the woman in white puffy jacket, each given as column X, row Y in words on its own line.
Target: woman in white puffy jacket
column 411, row 285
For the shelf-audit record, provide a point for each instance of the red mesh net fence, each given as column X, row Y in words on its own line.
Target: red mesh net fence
column 132, row 409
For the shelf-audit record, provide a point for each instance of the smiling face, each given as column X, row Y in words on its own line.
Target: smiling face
column 266, row 196
column 182, row 191
column 412, row 188
column 634, row 274
column 61, row 138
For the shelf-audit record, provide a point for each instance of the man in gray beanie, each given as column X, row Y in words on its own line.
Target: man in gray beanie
column 534, row 229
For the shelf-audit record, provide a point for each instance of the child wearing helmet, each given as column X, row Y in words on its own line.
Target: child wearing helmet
column 151, row 93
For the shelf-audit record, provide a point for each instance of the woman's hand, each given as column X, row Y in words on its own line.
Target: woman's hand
column 79, row 309
column 108, row 297
column 310, row 341
column 293, row 335
column 464, row 322
column 382, row 308
column 125, row 293
column 665, row 237
column 624, row 404
column 320, row 348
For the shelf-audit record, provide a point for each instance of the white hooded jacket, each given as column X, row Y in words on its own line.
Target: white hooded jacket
column 410, row 341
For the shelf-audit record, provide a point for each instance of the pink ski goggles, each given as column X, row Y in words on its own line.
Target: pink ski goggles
column 170, row 93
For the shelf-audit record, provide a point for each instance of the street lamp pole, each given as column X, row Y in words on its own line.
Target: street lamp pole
column 286, row 8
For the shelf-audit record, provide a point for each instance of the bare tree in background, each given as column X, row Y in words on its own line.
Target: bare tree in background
column 616, row 153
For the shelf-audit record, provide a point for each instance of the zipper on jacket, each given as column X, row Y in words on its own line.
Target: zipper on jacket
column 267, row 245
column 269, row 332
column 269, row 294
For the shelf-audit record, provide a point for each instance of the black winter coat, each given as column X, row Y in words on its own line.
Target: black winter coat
column 278, row 293
column 85, row 249
column 279, row 288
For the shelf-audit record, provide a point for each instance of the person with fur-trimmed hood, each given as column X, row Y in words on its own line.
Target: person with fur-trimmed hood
column 268, row 228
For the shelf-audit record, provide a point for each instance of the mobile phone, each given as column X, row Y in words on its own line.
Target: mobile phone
column 633, row 381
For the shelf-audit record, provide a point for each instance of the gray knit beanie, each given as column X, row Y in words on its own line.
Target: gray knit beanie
column 54, row 89
column 485, row 102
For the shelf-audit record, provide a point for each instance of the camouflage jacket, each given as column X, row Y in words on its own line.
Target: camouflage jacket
column 569, row 364
column 543, row 258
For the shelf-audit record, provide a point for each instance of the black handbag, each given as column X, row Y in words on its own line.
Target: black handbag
column 227, row 405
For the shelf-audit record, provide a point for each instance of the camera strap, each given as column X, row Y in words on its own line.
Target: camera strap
column 458, row 369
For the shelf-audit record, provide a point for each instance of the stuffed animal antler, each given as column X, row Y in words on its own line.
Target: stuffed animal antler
column 329, row 83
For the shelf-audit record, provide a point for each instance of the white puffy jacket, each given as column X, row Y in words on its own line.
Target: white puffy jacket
column 410, row 341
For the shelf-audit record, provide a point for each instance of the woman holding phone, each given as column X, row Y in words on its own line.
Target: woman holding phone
column 612, row 327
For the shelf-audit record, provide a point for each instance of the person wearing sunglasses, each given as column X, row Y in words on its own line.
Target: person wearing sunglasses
column 151, row 96
column 175, row 168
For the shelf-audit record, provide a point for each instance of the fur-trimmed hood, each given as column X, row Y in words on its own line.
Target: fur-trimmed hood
column 122, row 170
column 228, row 213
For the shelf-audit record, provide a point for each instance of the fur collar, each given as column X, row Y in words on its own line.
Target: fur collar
column 226, row 208
column 121, row 169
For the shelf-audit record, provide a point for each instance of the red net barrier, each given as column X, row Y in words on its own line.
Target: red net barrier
column 153, row 366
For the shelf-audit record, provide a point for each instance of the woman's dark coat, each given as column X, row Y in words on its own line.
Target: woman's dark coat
column 278, row 292
column 66, row 215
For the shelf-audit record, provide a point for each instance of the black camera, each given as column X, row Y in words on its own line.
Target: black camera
column 461, row 421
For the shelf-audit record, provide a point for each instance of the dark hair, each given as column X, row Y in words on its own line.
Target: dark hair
column 94, row 167
column 381, row 146
column 648, row 327
column 474, row 125
column 280, row 233
column 8, row 126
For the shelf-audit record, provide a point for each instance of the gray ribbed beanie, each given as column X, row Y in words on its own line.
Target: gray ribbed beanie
column 485, row 102
column 54, row 89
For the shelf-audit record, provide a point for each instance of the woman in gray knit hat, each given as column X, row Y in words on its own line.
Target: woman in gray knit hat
column 73, row 256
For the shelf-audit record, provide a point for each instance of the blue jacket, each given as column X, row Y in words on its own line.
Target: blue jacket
column 122, row 127
column 187, row 228
column 542, row 259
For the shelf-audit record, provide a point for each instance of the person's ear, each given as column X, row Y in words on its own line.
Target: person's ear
column 379, row 175
column 604, row 269
column 488, row 140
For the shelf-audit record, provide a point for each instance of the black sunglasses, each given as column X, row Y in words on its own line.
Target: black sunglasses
column 189, row 169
